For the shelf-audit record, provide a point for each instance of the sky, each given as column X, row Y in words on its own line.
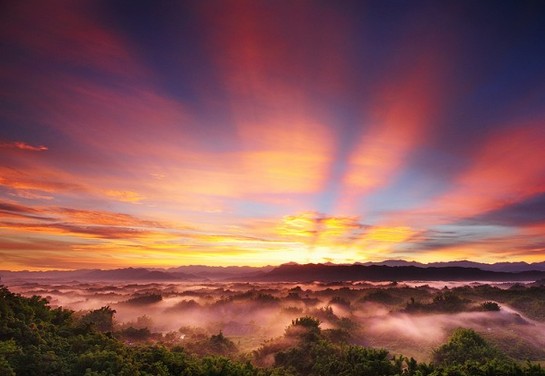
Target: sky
column 167, row 133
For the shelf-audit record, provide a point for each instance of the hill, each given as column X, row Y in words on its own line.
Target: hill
column 321, row 272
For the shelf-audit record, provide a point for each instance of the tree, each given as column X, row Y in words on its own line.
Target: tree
column 465, row 345
column 102, row 319
column 490, row 306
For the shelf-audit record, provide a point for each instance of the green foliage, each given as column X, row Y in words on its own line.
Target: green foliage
column 305, row 329
column 463, row 346
column 102, row 319
column 515, row 345
column 325, row 314
column 530, row 301
column 134, row 334
column 219, row 344
column 355, row 360
column 38, row 340
column 307, row 322
column 447, row 301
column 8, row 349
column 337, row 335
column 323, row 357
column 326, row 352
column 381, row 296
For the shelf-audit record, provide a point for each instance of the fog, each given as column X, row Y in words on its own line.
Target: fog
column 252, row 313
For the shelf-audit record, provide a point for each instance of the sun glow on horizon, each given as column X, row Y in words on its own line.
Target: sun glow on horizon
column 264, row 142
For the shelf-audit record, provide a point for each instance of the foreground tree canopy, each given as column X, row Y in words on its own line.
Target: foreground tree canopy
column 36, row 339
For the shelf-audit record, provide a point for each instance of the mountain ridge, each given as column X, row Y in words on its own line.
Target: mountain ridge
column 516, row 266
column 325, row 273
column 388, row 270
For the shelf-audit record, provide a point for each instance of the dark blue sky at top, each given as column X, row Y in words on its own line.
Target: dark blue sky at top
column 497, row 46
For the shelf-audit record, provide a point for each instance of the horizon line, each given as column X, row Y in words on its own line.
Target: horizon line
column 166, row 268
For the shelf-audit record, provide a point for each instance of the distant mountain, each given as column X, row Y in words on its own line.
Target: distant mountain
column 398, row 270
column 126, row 274
column 137, row 274
column 321, row 272
column 496, row 267
column 220, row 273
column 392, row 263
column 182, row 273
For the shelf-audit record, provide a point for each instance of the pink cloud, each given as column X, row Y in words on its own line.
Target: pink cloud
column 22, row 146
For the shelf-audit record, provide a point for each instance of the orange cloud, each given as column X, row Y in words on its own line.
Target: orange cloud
column 81, row 223
column 320, row 228
column 16, row 210
column 104, row 232
column 38, row 179
column 104, row 218
column 390, row 234
column 31, row 195
column 288, row 156
column 125, row 196
column 344, row 239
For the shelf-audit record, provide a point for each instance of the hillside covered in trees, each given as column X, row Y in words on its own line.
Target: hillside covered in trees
column 36, row 339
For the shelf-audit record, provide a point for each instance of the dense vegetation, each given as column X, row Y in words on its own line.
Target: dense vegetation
column 38, row 340
column 529, row 300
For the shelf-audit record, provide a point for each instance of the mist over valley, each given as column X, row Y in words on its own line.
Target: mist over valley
column 411, row 318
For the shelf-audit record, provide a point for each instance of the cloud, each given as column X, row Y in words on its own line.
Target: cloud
column 285, row 144
column 22, row 146
column 398, row 125
column 90, row 231
column 341, row 237
column 250, row 127
column 40, row 253
column 87, row 223
column 16, row 210
column 31, row 195
column 31, row 244
column 125, row 196
column 523, row 213
column 318, row 227
column 72, row 33
column 504, row 170
column 484, row 243
column 43, row 181
column 104, row 218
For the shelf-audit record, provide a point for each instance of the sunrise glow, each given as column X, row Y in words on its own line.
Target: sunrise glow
column 261, row 133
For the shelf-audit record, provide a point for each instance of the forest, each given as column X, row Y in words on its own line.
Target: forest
column 326, row 329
